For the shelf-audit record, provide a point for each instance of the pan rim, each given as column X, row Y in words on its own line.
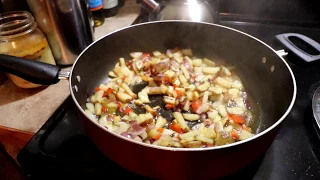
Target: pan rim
column 273, row 126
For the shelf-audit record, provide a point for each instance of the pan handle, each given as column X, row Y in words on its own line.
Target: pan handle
column 30, row 70
column 284, row 39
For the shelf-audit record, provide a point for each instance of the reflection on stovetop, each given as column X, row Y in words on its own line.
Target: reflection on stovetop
column 61, row 148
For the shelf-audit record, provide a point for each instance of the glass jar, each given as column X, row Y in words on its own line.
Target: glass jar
column 20, row 37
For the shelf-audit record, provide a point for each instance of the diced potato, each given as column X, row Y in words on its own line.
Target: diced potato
column 226, row 71
column 139, row 64
column 152, row 133
column 217, row 118
column 170, row 89
column 235, row 93
column 108, row 124
column 165, row 140
column 205, row 97
column 223, row 82
column 136, row 55
column 169, row 100
column 200, row 78
column 198, row 70
column 169, row 73
column 187, row 52
column 156, row 53
column 90, row 114
column 197, row 62
column 97, row 109
column 154, row 90
column 202, row 129
column 191, row 87
column 210, row 133
column 245, row 135
column 178, row 116
column 186, row 106
column 116, row 119
column 128, row 90
column 124, row 70
column 143, row 97
column 212, row 114
column 144, row 135
column 126, row 118
column 210, row 70
column 204, row 139
column 123, row 97
column 122, row 62
column 99, row 95
column 182, row 79
column 90, row 107
column 133, row 115
column 195, row 95
column 177, row 57
column 176, row 81
column 138, row 102
column 137, row 138
column 236, row 110
column 192, row 144
column 216, row 89
column 144, row 117
column 93, row 99
column 164, row 89
column 189, row 135
column 189, row 95
column 203, row 87
column 155, row 60
column 112, row 74
column 161, row 122
column 208, row 62
column 223, row 138
column 185, row 73
column 123, row 127
column 191, row 117
column 237, row 84
column 222, row 110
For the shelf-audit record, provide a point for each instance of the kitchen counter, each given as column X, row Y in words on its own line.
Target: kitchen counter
column 24, row 111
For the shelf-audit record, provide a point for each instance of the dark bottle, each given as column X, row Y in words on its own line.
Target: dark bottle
column 110, row 8
column 96, row 8
column 121, row 3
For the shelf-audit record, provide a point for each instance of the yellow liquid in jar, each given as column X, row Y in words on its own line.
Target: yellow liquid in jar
column 31, row 46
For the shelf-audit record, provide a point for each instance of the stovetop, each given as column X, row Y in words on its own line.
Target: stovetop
column 61, row 148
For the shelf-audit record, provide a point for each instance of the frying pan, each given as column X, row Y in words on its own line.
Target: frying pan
column 265, row 74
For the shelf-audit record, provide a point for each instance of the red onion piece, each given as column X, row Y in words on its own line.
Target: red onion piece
column 126, row 134
column 175, row 65
column 203, row 116
column 110, row 118
column 187, row 65
column 136, row 127
column 159, row 67
column 137, row 133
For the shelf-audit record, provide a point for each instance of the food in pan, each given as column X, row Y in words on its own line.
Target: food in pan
column 202, row 104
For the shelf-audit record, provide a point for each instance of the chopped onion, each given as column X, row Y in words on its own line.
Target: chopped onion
column 136, row 127
column 157, row 68
column 175, row 65
column 126, row 134
column 187, row 65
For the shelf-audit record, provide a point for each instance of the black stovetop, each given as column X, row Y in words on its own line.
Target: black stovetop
column 61, row 149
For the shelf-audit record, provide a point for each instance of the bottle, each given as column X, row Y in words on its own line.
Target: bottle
column 20, row 37
column 121, row 3
column 110, row 8
column 96, row 8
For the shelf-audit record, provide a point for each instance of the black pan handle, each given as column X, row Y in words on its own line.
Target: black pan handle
column 284, row 40
column 30, row 70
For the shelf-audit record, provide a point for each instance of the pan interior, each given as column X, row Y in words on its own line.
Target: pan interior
column 263, row 73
